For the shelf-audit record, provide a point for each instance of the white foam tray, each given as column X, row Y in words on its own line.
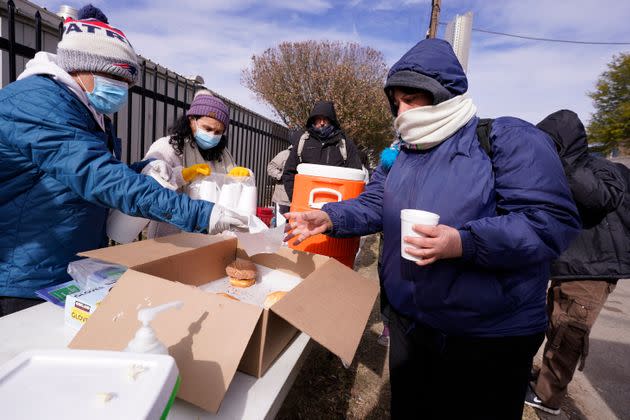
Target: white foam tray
column 64, row 384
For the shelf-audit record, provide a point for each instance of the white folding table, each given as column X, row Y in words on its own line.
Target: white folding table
column 42, row 327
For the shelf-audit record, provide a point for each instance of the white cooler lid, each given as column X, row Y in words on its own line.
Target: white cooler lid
column 326, row 171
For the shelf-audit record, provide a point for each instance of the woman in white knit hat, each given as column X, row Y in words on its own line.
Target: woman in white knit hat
column 59, row 175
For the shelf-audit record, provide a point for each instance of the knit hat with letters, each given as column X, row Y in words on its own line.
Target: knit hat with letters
column 91, row 44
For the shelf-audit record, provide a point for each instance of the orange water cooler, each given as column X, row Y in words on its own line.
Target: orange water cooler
column 316, row 185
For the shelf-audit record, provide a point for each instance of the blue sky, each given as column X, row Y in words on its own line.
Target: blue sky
column 527, row 79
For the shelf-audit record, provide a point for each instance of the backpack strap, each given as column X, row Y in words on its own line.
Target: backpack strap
column 484, row 127
column 343, row 150
column 341, row 145
column 300, row 145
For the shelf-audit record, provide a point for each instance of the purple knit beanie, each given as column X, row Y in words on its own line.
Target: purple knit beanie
column 204, row 105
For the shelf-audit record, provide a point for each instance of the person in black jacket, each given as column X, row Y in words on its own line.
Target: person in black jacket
column 323, row 143
column 586, row 273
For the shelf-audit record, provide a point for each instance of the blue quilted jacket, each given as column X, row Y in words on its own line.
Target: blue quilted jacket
column 514, row 212
column 57, row 181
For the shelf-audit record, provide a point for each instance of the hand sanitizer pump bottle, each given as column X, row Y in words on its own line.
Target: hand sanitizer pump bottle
column 145, row 340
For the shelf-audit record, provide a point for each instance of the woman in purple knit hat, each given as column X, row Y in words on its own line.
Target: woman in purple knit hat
column 196, row 146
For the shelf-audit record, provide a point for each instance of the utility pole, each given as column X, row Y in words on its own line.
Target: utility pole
column 435, row 17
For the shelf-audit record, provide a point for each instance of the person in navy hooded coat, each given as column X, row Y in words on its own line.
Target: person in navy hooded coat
column 469, row 316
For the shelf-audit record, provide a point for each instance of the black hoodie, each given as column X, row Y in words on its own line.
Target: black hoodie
column 321, row 150
column 600, row 191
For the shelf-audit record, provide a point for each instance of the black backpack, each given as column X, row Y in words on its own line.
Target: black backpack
column 484, row 127
column 624, row 212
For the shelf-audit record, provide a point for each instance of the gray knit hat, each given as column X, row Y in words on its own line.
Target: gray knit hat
column 89, row 44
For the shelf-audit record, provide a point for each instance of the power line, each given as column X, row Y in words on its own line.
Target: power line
column 533, row 38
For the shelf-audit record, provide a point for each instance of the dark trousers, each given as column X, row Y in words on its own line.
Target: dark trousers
column 573, row 307
column 8, row 305
column 434, row 376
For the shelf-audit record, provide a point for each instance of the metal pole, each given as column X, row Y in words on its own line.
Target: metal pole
column 143, row 119
column 236, row 138
column 176, row 97
column 185, row 94
column 154, row 121
column 165, row 102
column 129, row 119
column 12, row 65
column 435, row 16
column 38, row 31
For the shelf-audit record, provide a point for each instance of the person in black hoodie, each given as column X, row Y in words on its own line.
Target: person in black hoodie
column 323, row 143
column 586, row 273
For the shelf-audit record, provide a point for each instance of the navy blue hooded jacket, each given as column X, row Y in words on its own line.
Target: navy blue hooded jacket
column 514, row 213
column 57, row 180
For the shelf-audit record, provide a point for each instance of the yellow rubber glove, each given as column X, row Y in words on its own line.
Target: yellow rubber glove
column 239, row 171
column 193, row 171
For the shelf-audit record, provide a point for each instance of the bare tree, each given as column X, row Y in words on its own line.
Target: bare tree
column 292, row 76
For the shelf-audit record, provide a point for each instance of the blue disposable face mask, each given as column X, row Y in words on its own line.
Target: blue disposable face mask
column 206, row 140
column 108, row 95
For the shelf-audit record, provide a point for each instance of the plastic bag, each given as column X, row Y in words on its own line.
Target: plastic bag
column 90, row 272
column 235, row 193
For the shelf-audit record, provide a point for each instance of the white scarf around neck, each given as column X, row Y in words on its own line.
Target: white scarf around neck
column 427, row 126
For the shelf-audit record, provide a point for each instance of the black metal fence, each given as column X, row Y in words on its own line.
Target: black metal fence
column 160, row 97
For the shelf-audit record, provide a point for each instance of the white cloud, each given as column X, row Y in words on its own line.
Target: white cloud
column 530, row 82
column 309, row 6
column 531, row 79
column 507, row 77
column 216, row 48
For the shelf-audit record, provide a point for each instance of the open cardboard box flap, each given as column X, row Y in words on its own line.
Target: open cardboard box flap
column 142, row 252
column 210, row 334
column 207, row 336
column 320, row 307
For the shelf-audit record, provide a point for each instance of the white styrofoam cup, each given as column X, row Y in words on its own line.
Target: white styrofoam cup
column 408, row 218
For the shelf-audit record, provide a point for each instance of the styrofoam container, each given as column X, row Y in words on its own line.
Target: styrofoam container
column 230, row 193
column 62, row 384
column 247, row 200
column 408, row 218
column 337, row 172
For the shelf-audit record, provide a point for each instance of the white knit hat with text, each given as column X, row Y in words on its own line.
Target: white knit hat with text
column 91, row 44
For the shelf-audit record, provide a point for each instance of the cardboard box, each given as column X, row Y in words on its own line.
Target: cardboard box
column 81, row 305
column 211, row 336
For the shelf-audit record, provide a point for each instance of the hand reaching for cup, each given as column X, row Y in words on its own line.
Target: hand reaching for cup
column 305, row 225
column 439, row 242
